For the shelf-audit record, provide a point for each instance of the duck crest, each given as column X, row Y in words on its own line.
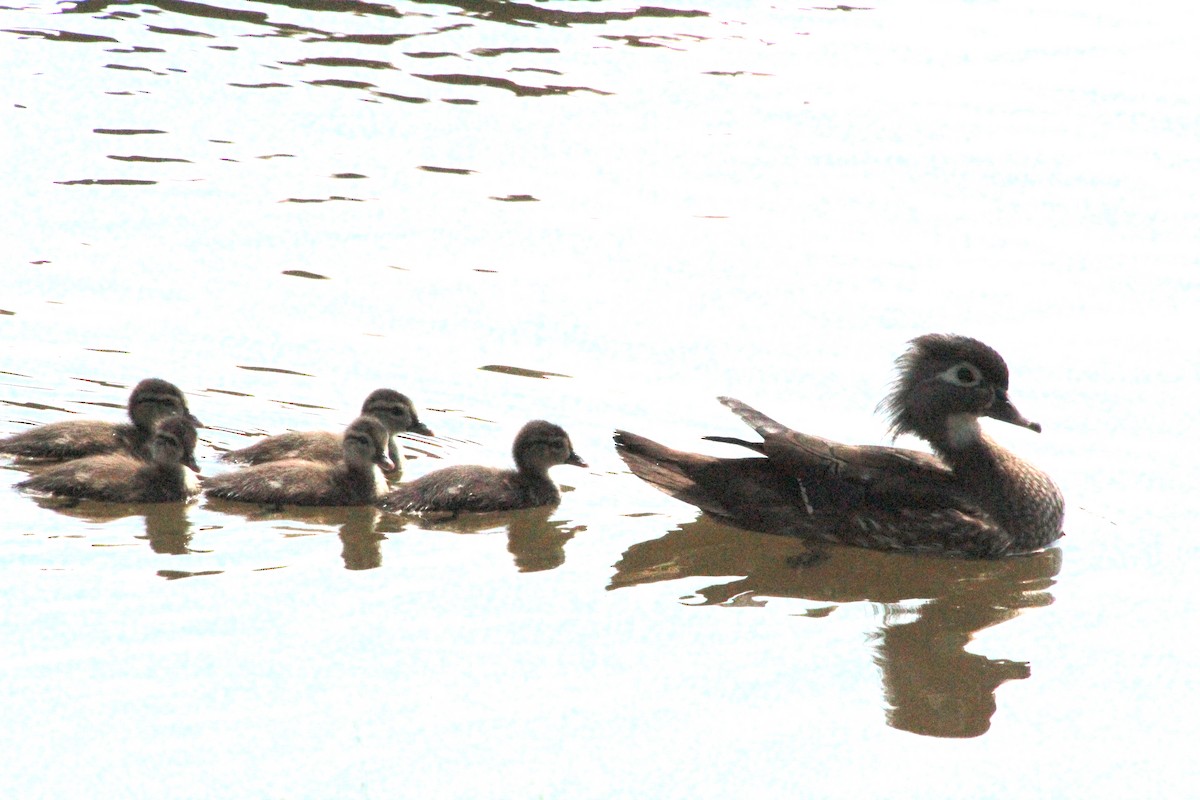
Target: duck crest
column 973, row 498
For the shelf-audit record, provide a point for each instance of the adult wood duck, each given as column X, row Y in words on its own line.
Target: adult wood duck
column 151, row 400
column 124, row 478
column 394, row 410
column 973, row 498
column 538, row 446
column 352, row 481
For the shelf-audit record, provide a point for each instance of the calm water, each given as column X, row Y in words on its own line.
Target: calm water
column 281, row 206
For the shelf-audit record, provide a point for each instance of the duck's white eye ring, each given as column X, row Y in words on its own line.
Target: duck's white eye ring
column 962, row 374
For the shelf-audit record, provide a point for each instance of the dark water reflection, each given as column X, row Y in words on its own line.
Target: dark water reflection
column 931, row 609
column 168, row 528
column 358, row 526
column 536, row 541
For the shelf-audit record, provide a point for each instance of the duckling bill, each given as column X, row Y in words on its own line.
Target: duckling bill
column 151, row 400
column 538, row 446
column 971, row 498
column 124, row 478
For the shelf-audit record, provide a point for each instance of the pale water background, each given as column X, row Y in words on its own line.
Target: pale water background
column 280, row 206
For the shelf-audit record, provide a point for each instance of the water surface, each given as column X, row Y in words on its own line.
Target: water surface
column 603, row 215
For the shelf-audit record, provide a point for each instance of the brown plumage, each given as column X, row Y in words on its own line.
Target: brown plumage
column 124, row 478
column 393, row 409
column 352, row 481
column 538, row 446
column 973, row 498
column 151, row 400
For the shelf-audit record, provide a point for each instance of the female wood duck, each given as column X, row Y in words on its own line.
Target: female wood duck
column 394, row 410
column 352, row 481
column 150, row 401
column 973, row 499
column 124, row 478
column 538, row 446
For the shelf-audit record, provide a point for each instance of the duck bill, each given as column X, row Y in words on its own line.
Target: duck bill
column 386, row 464
column 190, row 417
column 190, row 463
column 421, row 428
column 575, row 461
column 1003, row 410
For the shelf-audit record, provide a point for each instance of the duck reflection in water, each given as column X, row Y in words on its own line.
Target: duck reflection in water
column 536, row 542
column 358, row 527
column 168, row 528
column 932, row 607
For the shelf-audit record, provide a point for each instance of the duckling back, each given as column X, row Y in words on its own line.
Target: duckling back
column 151, row 400
column 123, row 478
column 354, row 480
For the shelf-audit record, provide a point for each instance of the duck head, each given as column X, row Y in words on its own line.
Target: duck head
column 944, row 384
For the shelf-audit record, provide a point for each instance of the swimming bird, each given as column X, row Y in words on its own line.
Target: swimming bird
column 393, row 409
column 538, row 446
column 124, row 478
column 150, row 401
column 970, row 498
column 352, row 481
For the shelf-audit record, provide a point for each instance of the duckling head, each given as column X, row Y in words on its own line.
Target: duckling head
column 154, row 399
column 944, row 384
column 366, row 442
column 395, row 411
column 540, row 445
column 174, row 442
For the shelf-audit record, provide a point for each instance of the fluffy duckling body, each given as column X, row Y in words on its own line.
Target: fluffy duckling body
column 355, row 480
column 151, row 400
column 124, row 478
column 394, row 410
column 538, row 446
column 973, row 498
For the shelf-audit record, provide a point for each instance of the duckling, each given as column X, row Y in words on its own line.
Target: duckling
column 124, row 478
column 538, row 446
column 150, row 401
column 973, row 498
column 353, row 481
column 394, row 410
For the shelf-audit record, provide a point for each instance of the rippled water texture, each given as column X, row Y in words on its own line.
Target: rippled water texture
column 603, row 215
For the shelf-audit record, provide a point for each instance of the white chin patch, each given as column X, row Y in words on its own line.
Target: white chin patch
column 190, row 481
column 962, row 429
column 381, row 484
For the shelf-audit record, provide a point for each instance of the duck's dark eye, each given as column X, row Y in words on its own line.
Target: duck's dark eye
column 962, row 374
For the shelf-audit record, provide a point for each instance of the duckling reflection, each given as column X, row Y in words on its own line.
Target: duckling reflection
column 168, row 529
column 354, row 481
column 394, row 410
column 123, row 478
column 358, row 527
column 151, row 400
column 538, row 446
column 536, row 542
column 933, row 686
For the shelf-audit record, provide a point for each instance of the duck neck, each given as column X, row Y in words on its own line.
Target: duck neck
column 1021, row 498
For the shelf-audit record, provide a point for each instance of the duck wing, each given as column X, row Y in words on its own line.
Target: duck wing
column 839, row 477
